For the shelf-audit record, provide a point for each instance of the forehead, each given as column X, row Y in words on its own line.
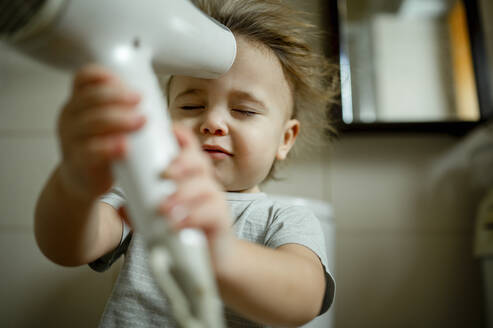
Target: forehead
column 256, row 71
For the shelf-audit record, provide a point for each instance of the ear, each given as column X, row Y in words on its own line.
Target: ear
column 291, row 129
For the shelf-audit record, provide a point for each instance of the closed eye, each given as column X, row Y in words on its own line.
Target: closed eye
column 191, row 107
column 245, row 112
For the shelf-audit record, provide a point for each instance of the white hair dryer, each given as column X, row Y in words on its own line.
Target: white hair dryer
column 139, row 40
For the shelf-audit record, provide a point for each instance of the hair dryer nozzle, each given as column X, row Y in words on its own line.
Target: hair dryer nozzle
column 191, row 43
column 20, row 19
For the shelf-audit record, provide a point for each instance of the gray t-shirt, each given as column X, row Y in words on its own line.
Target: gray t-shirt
column 136, row 300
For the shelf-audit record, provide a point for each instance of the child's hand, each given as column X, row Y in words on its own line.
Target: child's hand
column 92, row 128
column 198, row 201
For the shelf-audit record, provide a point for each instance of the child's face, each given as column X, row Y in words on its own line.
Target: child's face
column 242, row 119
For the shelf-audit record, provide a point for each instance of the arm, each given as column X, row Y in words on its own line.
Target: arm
column 282, row 286
column 71, row 230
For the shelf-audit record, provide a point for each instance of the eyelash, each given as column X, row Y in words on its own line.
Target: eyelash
column 240, row 111
column 191, row 107
column 245, row 112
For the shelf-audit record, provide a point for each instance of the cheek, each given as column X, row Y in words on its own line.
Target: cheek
column 258, row 147
column 187, row 121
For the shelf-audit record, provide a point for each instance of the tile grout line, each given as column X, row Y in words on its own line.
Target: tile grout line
column 26, row 133
column 16, row 228
column 400, row 231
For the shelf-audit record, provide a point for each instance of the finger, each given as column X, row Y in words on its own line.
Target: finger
column 188, row 194
column 103, row 95
column 185, row 136
column 202, row 216
column 100, row 121
column 101, row 150
column 91, row 74
column 188, row 163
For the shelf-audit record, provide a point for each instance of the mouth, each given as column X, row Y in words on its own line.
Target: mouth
column 214, row 149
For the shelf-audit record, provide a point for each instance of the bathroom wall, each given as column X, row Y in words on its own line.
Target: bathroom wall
column 403, row 258
column 404, row 235
column 403, row 254
column 35, row 292
column 404, row 250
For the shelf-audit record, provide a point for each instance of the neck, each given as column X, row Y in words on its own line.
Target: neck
column 251, row 190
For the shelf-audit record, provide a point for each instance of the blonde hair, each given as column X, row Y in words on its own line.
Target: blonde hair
column 282, row 29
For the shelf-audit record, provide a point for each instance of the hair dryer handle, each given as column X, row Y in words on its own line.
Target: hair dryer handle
column 151, row 148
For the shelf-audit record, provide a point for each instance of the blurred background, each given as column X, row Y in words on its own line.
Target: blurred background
column 404, row 201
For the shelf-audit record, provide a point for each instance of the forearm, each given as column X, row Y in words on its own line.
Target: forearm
column 67, row 226
column 271, row 286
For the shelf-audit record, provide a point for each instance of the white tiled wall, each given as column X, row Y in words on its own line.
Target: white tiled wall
column 403, row 249
column 26, row 161
column 35, row 292
column 403, row 255
column 31, row 94
column 303, row 176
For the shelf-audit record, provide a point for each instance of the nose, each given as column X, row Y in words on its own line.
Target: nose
column 214, row 124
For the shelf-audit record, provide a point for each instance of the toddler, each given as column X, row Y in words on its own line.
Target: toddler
column 268, row 257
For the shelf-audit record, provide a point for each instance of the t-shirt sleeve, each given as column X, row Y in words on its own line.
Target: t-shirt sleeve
column 298, row 225
column 116, row 199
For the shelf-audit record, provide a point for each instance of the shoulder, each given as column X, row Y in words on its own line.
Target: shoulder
column 268, row 209
column 278, row 204
column 292, row 218
column 286, row 209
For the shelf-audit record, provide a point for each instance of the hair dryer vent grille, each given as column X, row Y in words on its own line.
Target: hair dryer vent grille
column 15, row 14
